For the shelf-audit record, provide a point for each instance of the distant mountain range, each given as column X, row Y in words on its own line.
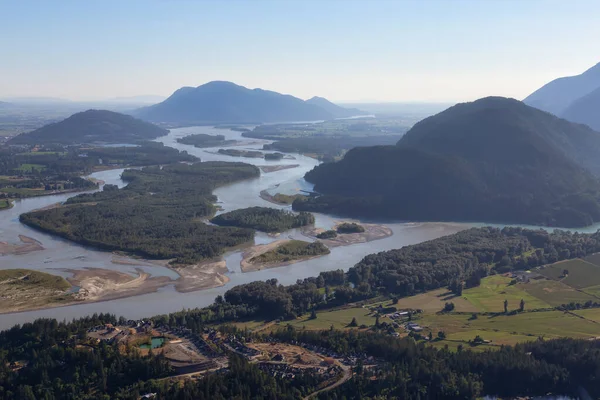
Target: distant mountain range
column 220, row 102
column 147, row 99
column 576, row 98
column 335, row 110
column 92, row 126
column 492, row 160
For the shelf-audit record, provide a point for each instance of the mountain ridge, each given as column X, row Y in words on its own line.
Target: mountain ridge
column 556, row 96
column 492, row 160
column 92, row 126
column 218, row 102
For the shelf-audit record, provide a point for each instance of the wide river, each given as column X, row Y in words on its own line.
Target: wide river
column 59, row 254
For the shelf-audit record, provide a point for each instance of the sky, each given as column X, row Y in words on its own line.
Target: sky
column 345, row 50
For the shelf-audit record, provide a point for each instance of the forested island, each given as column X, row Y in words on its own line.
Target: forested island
column 264, row 219
column 201, row 140
column 280, row 253
column 158, row 215
column 241, row 153
column 494, row 160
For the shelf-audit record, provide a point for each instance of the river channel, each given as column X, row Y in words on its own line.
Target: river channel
column 59, row 254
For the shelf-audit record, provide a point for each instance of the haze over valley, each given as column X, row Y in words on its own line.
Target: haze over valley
column 292, row 200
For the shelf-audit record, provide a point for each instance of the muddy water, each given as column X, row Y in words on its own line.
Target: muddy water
column 59, row 253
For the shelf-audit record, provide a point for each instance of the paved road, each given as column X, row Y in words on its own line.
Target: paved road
column 346, row 375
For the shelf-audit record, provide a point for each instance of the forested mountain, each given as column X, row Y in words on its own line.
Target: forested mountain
column 558, row 95
column 92, row 126
column 225, row 102
column 334, row 109
column 585, row 110
column 495, row 159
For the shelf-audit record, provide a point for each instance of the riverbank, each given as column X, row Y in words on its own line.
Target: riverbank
column 206, row 275
column 23, row 289
column 97, row 284
column 372, row 232
column 274, row 168
column 26, row 246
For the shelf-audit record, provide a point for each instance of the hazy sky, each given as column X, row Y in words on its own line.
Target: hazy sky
column 425, row 50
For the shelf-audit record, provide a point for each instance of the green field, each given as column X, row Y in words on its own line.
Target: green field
column 555, row 293
column 339, row 319
column 435, row 301
column 490, row 295
column 495, row 337
column 592, row 314
column 594, row 259
column 5, row 204
column 582, row 274
column 549, row 324
column 31, row 167
column 593, row 292
column 25, row 192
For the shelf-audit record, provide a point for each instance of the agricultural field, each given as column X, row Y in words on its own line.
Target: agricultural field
column 31, row 167
column 490, row 295
column 581, row 274
column 556, row 293
column 340, row 319
column 434, row 301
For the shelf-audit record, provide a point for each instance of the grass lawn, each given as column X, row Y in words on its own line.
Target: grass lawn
column 550, row 324
column 556, row 293
column 31, row 167
column 339, row 319
column 582, row 274
column 490, row 295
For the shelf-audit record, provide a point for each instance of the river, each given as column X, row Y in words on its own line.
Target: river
column 59, row 253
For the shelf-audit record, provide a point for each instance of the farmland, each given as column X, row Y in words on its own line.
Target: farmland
column 490, row 295
column 479, row 311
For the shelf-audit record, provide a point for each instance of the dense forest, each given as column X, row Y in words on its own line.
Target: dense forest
column 158, row 215
column 264, row 219
column 203, row 140
column 493, row 160
column 51, row 360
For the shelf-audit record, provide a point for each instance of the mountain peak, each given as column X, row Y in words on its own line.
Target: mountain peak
column 556, row 96
column 494, row 159
column 219, row 102
column 92, row 126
